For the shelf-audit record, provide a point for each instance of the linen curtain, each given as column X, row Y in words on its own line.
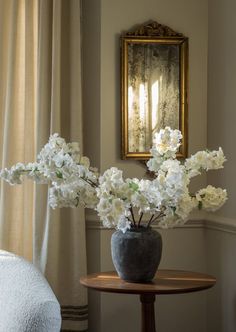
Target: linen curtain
column 40, row 94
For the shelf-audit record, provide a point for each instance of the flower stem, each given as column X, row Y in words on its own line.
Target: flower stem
column 91, row 183
column 150, row 221
column 132, row 214
column 161, row 214
column 140, row 219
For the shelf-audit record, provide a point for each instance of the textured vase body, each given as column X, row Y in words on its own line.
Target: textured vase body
column 136, row 254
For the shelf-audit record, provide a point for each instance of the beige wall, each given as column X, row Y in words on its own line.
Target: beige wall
column 181, row 15
column 221, row 94
column 221, row 243
column 189, row 248
column 103, row 22
column 221, row 302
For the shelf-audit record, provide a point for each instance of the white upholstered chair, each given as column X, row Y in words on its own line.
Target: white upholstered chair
column 27, row 303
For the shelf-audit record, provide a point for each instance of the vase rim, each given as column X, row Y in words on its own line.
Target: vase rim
column 140, row 229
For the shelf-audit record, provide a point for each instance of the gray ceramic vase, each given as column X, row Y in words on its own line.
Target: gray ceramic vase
column 136, row 254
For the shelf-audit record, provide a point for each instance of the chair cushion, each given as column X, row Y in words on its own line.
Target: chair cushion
column 27, row 303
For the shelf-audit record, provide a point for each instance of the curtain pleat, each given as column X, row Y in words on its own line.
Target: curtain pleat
column 16, row 123
column 40, row 94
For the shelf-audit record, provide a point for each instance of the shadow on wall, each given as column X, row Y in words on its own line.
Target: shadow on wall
column 221, row 301
column 234, row 309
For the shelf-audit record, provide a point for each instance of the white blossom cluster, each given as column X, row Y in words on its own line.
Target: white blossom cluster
column 68, row 174
column 176, row 176
column 211, row 198
column 165, row 198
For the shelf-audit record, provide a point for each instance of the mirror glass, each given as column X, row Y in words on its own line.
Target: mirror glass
column 154, row 88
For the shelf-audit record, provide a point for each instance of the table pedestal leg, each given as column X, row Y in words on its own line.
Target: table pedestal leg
column 148, row 316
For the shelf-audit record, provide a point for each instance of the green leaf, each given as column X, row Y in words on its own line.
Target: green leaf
column 134, row 186
column 59, row 174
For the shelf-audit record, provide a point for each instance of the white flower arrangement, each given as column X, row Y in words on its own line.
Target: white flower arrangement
column 165, row 198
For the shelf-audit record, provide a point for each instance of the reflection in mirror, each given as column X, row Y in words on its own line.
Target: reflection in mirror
column 153, row 74
column 153, row 87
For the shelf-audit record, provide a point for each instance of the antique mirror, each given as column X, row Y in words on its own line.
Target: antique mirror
column 154, row 64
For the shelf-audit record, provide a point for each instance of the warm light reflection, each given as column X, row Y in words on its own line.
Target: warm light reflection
column 130, row 101
column 155, row 101
column 107, row 277
column 186, row 279
column 142, row 102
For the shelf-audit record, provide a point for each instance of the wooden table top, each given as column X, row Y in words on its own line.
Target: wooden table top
column 165, row 282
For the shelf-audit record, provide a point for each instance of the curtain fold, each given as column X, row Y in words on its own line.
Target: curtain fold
column 16, row 122
column 40, row 94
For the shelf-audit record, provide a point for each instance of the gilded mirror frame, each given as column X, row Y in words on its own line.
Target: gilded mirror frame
column 148, row 47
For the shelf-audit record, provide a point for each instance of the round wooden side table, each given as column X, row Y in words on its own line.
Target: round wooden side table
column 165, row 282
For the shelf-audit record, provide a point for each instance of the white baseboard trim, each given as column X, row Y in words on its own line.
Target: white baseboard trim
column 209, row 221
column 220, row 223
column 97, row 225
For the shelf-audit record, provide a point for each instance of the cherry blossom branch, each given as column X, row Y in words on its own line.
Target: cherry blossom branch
column 140, row 219
column 132, row 214
column 161, row 214
column 150, row 220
